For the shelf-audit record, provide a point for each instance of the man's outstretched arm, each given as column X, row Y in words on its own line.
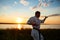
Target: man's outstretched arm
column 42, row 21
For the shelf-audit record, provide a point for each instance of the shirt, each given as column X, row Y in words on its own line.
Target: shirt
column 36, row 20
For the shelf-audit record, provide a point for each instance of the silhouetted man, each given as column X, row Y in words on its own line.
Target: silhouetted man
column 35, row 22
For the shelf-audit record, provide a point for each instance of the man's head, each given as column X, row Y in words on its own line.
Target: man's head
column 37, row 14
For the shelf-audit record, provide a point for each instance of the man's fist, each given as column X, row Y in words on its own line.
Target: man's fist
column 46, row 16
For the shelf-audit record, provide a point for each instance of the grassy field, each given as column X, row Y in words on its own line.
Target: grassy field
column 15, row 34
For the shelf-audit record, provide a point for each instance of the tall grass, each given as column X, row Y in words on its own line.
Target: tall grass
column 15, row 34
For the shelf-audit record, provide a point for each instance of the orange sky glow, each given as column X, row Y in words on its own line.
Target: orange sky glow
column 49, row 20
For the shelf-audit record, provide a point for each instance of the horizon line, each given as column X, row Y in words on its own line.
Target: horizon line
column 26, row 23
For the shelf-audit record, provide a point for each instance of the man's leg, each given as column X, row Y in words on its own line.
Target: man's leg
column 35, row 34
column 42, row 38
column 39, row 35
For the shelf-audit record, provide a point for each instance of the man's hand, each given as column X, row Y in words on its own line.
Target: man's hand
column 44, row 19
column 46, row 16
column 33, row 23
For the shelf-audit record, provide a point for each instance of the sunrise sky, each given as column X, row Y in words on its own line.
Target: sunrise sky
column 13, row 11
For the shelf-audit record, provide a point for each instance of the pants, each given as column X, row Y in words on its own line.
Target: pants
column 36, row 35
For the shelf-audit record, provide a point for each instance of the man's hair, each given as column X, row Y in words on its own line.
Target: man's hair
column 37, row 12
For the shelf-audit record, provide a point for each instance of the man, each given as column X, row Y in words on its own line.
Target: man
column 35, row 22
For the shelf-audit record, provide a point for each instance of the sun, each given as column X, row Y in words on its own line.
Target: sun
column 19, row 20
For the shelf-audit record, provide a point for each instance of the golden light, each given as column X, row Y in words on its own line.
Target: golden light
column 19, row 27
column 19, row 20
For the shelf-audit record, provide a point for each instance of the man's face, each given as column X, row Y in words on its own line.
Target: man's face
column 38, row 15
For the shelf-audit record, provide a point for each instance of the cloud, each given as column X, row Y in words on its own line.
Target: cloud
column 15, row 3
column 58, row 0
column 6, row 7
column 38, row 9
column 44, row 3
column 24, row 2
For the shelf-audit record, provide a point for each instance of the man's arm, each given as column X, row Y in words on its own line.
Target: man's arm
column 42, row 21
column 31, row 21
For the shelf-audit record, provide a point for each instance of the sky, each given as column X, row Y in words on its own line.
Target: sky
column 10, row 10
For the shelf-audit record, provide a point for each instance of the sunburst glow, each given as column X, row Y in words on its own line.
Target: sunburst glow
column 19, row 20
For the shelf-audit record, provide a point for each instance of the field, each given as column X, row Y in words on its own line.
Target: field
column 24, row 34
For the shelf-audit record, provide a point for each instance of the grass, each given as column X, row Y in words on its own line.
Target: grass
column 15, row 34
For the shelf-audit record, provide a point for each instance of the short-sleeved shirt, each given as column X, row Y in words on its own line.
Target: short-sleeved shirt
column 36, row 20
